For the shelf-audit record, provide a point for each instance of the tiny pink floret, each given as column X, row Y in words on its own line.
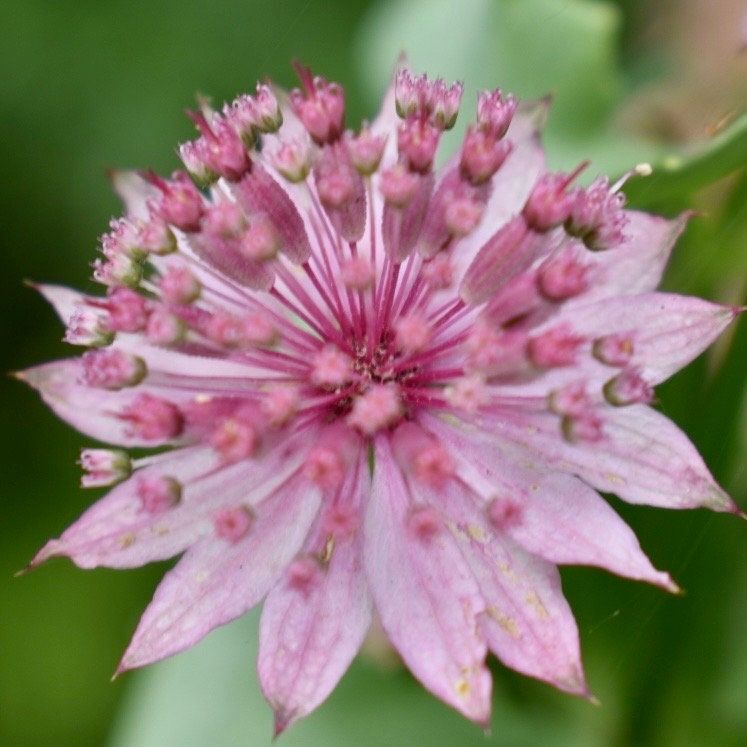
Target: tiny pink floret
column 112, row 369
column 302, row 573
column 413, row 333
column 424, row 523
column 556, row 347
column 628, row 388
column 331, row 367
column 232, row 524
column 280, row 403
column 614, row 350
column 549, row 203
column 562, row 277
column 152, row 418
column 504, row 513
column 180, row 203
column 325, row 467
column 104, row 467
column 234, row 439
column 179, row 286
column 164, row 327
column 376, row 408
column 158, row 493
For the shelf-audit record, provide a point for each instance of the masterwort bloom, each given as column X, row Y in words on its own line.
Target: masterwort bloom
column 374, row 387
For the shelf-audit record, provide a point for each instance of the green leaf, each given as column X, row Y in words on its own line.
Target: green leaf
column 679, row 175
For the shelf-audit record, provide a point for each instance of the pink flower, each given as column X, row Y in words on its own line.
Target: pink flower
column 490, row 333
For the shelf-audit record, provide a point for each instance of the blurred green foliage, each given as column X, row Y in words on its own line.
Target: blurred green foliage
column 92, row 84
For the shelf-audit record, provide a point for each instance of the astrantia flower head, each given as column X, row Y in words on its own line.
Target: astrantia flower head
column 376, row 388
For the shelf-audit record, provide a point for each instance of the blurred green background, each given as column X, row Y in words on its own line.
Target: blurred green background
column 92, row 84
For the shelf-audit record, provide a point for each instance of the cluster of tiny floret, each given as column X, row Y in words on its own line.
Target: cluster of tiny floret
column 210, row 265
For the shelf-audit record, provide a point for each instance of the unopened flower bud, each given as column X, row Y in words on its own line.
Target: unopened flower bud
column 614, row 350
column 292, row 159
column 330, row 367
column 128, row 310
column 548, row 204
column 280, row 403
column 178, row 285
column 180, row 204
column 628, row 388
column 320, row 106
column 398, row 185
column 158, row 493
column 233, row 524
column 224, row 219
column 412, row 333
column 495, row 112
column 482, row 155
column 571, row 399
column 118, row 270
column 260, row 330
column 445, row 101
column 427, row 99
column 462, row 215
column 583, row 427
column 112, row 369
column 87, row 326
column 366, row 150
column 439, row 272
column 357, row 273
column 597, row 216
column 260, row 240
column 155, row 237
column 104, row 467
column 221, row 147
column 165, row 328
column 408, row 93
column 417, row 141
column 562, row 276
column 225, row 329
column 151, row 418
column 376, row 408
column 235, row 439
column 554, row 348
column 268, row 110
column 192, row 154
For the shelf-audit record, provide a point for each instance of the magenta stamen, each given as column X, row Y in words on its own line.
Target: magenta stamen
column 305, row 76
column 573, row 176
column 202, row 125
